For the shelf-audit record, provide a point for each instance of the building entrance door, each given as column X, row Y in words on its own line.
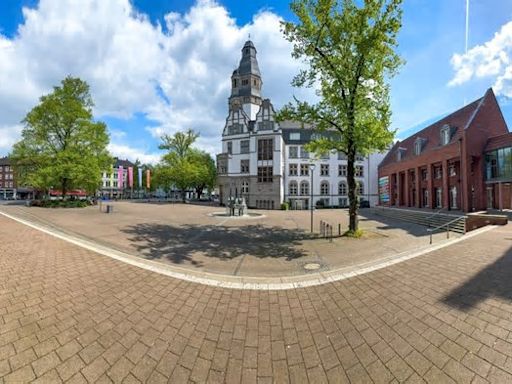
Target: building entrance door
column 490, row 197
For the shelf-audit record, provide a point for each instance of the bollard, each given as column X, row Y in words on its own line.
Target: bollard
column 339, row 229
column 330, row 238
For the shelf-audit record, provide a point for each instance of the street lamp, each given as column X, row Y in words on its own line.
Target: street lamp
column 311, row 169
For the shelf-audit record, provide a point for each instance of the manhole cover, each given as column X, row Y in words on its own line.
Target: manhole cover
column 311, row 266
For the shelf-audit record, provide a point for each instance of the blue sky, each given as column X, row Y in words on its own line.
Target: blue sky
column 156, row 66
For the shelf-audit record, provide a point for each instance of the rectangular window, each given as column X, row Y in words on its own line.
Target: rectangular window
column 293, row 152
column 452, row 170
column 244, row 166
column 264, row 174
column 304, row 169
column 359, row 171
column 235, row 129
column 265, row 125
column 245, row 81
column 244, row 146
column 293, row 170
column 230, row 147
column 303, row 153
column 439, row 197
column 359, row 158
column 324, row 169
column 342, row 156
column 295, row 136
column 342, row 170
column 438, row 172
column 424, row 174
column 265, row 149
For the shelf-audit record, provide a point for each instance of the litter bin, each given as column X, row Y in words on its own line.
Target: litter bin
column 110, row 208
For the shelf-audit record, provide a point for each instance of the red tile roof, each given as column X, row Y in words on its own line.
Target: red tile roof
column 500, row 141
column 431, row 135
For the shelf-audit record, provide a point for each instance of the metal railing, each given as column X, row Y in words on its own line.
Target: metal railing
column 447, row 225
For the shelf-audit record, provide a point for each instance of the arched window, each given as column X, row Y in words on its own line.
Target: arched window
column 360, row 188
column 304, row 188
column 324, row 188
column 293, row 188
column 342, row 188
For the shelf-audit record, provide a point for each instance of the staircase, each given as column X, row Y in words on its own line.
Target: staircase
column 437, row 221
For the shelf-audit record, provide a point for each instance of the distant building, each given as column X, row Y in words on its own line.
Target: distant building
column 266, row 161
column 9, row 189
column 461, row 162
column 110, row 186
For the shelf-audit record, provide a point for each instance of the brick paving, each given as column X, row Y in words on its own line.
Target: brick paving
column 68, row 314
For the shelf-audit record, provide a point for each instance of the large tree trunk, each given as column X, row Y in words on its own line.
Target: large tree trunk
column 183, row 195
column 64, row 188
column 352, row 195
column 199, row 191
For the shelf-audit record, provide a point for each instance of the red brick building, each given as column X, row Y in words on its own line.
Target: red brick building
column 450, row 165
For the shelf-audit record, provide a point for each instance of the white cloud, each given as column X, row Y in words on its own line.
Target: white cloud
column 132, row 154
column 8, row 136
column 125, row 58
column 491, row 59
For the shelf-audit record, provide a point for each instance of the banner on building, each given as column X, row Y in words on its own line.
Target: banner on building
column 130, row 177
column 148, row 179
column 139, row 171
column 384, row 190
column 120, row 177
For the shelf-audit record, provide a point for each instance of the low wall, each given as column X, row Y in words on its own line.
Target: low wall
column 475, row 221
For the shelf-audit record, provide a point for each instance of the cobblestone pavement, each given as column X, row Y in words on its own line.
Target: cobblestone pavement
column 68, row 314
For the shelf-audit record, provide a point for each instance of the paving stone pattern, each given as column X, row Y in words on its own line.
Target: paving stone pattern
column 68, row 314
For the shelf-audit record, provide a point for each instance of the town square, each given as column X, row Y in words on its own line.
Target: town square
column 214, row 191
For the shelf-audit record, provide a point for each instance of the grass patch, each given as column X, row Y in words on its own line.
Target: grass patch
column 354, row 234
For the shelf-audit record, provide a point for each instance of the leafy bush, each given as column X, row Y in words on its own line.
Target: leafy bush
column 285, row 206
column 355, row 234
column 60, row 203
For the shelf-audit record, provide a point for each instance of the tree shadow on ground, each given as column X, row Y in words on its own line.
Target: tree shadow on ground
column 179, row 244
column 493, row 281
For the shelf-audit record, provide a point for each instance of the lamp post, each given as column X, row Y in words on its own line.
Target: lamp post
column 311, row 169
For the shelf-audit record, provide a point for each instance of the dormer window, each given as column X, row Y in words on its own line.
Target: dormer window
column 445, row 134
column 418, row 146
column 400, row 154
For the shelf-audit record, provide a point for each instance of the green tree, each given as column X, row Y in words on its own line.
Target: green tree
column 61, row 145
column 205, row 173
column 183, row 166
column 348, row 47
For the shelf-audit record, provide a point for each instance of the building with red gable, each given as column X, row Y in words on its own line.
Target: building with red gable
column 461, row 162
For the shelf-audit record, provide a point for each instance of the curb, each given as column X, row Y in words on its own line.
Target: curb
column 245, row 283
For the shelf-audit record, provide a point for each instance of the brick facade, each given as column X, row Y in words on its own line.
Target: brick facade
column 443, row 165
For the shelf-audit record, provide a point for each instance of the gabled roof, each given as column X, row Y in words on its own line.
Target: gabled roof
column 5, row 161
column 500, row 141
column 123, row 163
column 458, row 121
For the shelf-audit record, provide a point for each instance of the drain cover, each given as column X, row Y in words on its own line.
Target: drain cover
column 311, row 266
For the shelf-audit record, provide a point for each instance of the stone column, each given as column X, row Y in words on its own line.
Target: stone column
column 418, row 187
column 446, row 186
column 407, row 188
column 430, row 178
column 399, row 189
